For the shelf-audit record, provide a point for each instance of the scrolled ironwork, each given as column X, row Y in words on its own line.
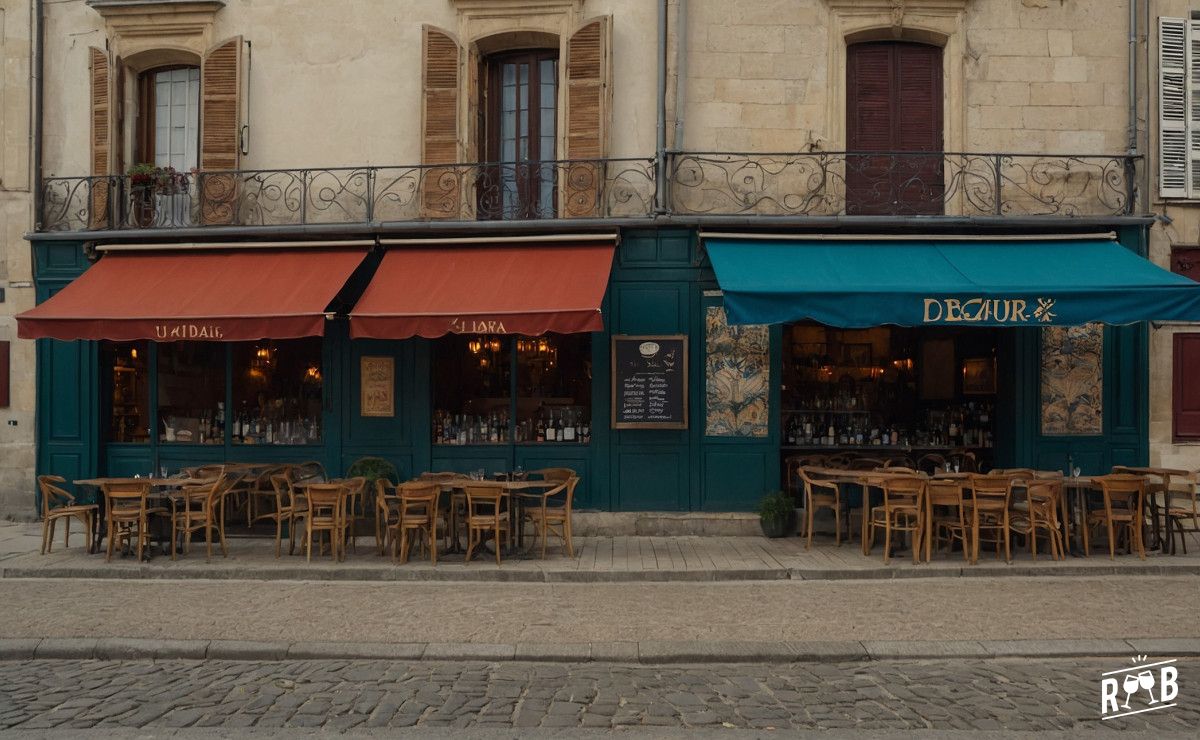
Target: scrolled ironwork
column 701, row 183
column 283, row 197
column 900, row 184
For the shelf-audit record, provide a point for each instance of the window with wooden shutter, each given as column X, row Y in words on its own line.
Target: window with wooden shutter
column 101, row 131
column 894, row 104
column 1186, row 386
column 588, row 102
column 441, row 188
column 222, row 73
column 1173, row 86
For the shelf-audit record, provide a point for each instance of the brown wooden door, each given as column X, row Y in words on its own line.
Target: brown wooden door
column 894, row 105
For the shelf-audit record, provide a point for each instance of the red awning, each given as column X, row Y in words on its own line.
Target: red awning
column 527, row 289
column 230, row 295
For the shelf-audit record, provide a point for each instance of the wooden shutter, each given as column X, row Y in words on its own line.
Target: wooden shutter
column 588, row 96
column 1186, row 387
column 441, row 188
column 894, row 103
column 1172, row 108
column 221, row 81
column 5, row 373
column 101, row 131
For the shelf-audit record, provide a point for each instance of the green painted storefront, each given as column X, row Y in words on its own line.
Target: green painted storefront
column 660, row 284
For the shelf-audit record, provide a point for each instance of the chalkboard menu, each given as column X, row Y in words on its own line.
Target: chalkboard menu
column 650, row 378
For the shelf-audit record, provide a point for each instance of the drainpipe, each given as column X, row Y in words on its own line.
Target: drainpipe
column 35, row 123
column 1130, row 170
column 681, row 38
column 1146, row 193
column 660, row 155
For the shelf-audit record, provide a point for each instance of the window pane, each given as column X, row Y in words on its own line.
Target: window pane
column 471, row 389
column 176, row 118
column 129, row 390
column 277, row 392
column 554, row 388
column 191, row 392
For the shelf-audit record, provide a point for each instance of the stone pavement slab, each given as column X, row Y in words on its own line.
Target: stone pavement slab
column 597, row 560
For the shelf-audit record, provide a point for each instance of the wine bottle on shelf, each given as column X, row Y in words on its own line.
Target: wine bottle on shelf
column 540, row 430
column 569, row 429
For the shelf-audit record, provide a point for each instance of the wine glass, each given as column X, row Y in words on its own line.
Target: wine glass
column 1146, row 681
column 1075, row 472
column 1130, row 686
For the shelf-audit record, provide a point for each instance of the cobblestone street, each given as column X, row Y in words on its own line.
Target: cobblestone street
column 1019, row 695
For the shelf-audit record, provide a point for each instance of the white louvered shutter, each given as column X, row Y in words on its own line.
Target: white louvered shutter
column 1173, row 83
column 1193, row 108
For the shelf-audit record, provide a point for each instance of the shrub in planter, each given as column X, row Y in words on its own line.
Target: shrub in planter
column 776, row 514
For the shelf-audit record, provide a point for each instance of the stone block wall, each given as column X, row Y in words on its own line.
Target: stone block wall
column 16, row 420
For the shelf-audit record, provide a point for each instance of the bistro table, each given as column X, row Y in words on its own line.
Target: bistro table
column 513, row 490
column 155, row 482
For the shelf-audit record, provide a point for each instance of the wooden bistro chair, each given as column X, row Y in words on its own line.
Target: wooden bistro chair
column 950, row 517
column 991, row 496
column 289, row 508
column 261, row 492
column 1124, row 497
column 487, row 511
column 1037, row 512
column 326, row 513
column 558, row 475
column 1182, row 510
column 550, row 516
column 309, row 472
column 822, row 494
column 202, row 509
column 355, row 490
column 387, row 513
column 903, row 510
column 66, row 510
column 418, row 514
column 127, row 515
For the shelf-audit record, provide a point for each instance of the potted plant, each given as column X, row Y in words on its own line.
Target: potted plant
column 147, row 181
column 776, row 514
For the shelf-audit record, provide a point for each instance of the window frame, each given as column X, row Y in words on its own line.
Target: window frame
column 529, row 183
column 145, row 123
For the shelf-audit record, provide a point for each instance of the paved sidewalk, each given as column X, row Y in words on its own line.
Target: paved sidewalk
column 941, row 609
column 241, row 697
column 597, row 560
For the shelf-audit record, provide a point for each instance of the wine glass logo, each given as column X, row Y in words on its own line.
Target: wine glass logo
column 1143, row 675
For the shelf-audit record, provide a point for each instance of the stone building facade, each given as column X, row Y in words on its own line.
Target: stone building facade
column 346, row 85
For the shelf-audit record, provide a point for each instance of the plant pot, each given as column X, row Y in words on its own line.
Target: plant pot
column 777, row 526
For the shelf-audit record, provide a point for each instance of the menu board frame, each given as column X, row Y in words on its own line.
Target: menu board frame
column 615, row 399
column 377, row 386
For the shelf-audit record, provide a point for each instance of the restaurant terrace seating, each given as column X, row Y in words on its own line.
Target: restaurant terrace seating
column 1124, row 499
column 198, row 509
column 127, row 516
column 991, row 496
column 553, row 516
column 418, row 517
column 487, row 512
column 902, row 512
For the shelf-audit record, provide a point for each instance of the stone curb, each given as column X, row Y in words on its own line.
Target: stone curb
column 653, row 652
column 484, row 574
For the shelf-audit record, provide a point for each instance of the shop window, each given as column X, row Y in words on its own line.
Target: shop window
column 889, row 390
column 554, row 388
column 472, row 391
column 519, row 136
column 1186, row 386
column 128, row 376
column 277, row 392
column 191, row 392
column 894, row 106
column 480, row 381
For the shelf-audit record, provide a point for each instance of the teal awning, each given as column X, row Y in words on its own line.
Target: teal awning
column 856, row 284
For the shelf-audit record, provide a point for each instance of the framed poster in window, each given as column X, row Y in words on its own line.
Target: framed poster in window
column 979, row 376
column 377, row 385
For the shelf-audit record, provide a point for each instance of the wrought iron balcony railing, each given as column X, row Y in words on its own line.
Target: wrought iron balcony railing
column 902, row 184
column 710, row 184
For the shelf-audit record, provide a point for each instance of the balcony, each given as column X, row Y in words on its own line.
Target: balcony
column 707, row 185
